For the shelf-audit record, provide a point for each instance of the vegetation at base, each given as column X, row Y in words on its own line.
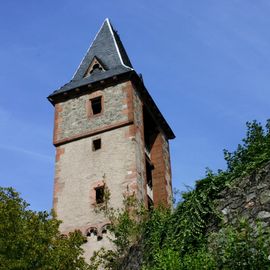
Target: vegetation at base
column 31, row 240
column 164, row 239
column 179, row 239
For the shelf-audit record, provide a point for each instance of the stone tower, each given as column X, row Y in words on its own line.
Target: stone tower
column 107, row 131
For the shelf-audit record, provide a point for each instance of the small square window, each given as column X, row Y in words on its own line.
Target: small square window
column 96, row 105
column 96, row 144
column 100, row 195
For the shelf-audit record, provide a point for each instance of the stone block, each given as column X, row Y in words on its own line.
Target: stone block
column 265, row 197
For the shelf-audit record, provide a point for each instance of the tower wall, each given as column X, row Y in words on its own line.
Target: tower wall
column 73, row 118
column 162, row 184
column 108, row 132
column 159, row 156
column 79, row 170
column 138, row 135
column 120, row 163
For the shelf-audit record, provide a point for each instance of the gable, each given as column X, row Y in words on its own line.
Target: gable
column 94, row 67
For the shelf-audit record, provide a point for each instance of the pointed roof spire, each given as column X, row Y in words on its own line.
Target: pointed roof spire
column 106, row 54
column 107, row 47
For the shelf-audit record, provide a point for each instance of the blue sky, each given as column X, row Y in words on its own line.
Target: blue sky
column 206, row 64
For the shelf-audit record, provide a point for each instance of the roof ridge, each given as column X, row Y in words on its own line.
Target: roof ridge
column 113, row 32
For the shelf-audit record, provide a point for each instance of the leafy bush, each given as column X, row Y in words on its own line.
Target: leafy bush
column 31, row 240
column 242, row 246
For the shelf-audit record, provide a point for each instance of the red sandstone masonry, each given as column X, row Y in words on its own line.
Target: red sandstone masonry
column 141, row 131
column 160, row 192
column 169, row 172
column 58, row 187
column 57, row 121
column 135, row 128
column 129, row 111
column 131, row 131
column 59, row 151
column 130, row 179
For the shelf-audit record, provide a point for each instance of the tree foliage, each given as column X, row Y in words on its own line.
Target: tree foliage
column 31, row 240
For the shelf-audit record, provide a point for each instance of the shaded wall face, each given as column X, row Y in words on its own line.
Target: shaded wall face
column 139, row 146
column 162, row 184
column 152, row 151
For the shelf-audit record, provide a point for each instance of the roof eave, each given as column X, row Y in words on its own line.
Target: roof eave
column 59, row 95
column 129, row 74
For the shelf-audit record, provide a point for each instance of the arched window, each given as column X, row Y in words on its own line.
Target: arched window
column 92, row 231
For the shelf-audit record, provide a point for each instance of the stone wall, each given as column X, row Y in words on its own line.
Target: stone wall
column 81, row 170
column 139, row 140
column 73, row 118
column 248, row 197
column 134, row 259
column 162, row 187
column 119, row 163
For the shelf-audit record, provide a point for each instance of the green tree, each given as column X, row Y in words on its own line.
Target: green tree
column 31, row 240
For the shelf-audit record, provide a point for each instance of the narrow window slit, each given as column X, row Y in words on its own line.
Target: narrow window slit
column 96, row 144
column 100, row 195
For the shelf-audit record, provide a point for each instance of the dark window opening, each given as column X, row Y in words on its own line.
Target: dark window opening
column 91, row 231
column 96, row 144
column 150, row 130
column 96, row 105
column 96, row 68
column 100, row 195
column 150, row 203
column 149, row 168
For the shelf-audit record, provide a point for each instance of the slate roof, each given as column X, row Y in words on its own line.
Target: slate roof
column 108, row 48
